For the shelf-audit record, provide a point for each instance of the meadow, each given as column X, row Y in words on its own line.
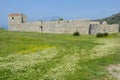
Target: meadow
column 40, row 56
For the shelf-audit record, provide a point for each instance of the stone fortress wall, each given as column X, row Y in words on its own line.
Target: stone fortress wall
column 18, row 22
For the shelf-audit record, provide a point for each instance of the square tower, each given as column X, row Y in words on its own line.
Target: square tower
column 15, row 20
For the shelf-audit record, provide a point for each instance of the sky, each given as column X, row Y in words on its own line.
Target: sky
column 67, row 9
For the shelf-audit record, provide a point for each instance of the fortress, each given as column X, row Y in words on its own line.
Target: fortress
column 18, row 22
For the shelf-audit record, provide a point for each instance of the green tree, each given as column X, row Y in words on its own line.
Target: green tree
column 61, row 19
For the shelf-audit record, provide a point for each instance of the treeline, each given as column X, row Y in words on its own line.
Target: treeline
column 114, row 19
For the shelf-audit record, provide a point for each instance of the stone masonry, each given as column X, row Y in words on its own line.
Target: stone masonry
column 18, row 22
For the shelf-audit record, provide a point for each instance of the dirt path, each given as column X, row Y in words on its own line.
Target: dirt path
column 114, row 70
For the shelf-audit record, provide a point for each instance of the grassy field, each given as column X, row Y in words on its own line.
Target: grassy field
column 36, row 56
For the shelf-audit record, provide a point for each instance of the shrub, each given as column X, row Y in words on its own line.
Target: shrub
column 99, row 35
column 105, row 34
column 76, row 34
column 61, row 19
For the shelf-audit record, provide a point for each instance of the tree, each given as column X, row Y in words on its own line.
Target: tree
column 60, row 19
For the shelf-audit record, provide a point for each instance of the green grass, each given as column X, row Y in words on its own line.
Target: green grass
column 36, row 56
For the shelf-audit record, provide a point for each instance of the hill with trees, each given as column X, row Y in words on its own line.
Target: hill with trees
column 114, row 19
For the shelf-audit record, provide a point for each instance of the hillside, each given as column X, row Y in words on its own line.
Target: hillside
column 115, row 18
column 1, row 28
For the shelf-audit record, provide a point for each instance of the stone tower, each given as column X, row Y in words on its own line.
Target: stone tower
column 15, row 20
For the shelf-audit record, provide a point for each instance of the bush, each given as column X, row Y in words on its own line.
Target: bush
column 60, row 19
column 76, row 34
column 105, row 34
column 101, row 34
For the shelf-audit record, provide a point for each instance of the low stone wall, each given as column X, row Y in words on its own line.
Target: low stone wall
column 101, row 28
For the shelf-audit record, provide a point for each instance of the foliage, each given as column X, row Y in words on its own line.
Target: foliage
column 76, row 34
column 61, row 19
column 1, row 29
column 101, row 35
column 105, row 34
column 114, row 19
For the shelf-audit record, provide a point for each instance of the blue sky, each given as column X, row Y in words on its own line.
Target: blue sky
column 68, row 9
